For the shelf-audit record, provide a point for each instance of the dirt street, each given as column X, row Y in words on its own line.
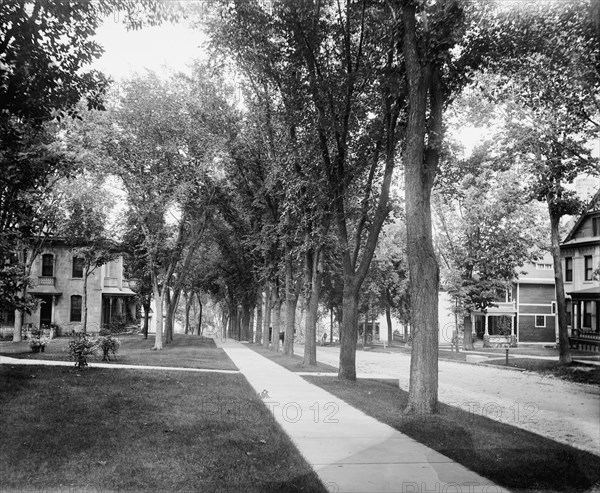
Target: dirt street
column 564, row 411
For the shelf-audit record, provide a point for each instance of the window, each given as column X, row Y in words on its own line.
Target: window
column 596, row 226
column 77, row 267
column 588, row 267
column 540, row 320
column 587, row 314
column 539, row 266
column 47, row 265
column 75, row 308
column 568, row 269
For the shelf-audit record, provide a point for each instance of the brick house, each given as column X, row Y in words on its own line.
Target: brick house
column 57, row 275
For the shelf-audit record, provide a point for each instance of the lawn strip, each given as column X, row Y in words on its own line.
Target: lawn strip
column 511, row 457
column 141, row 430
column 573, row 372
column 186, row 351
column 292, row 363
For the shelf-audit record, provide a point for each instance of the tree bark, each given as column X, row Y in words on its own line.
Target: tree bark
column 349, row 332
column 250, row 334
column 158, row 305
column 313, row 276
column 276, row 320
column 388, row 319
column 564, row 350
column 189, row 299
column 420, row 166
column 267, row 317
column 146, row 304
column 84, row 307
column 259, row 317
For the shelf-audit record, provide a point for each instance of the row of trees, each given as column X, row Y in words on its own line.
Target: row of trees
column 287, row 194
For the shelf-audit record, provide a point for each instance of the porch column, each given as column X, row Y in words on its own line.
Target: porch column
column 581, row 314
column 512, row 325
column 486, row 325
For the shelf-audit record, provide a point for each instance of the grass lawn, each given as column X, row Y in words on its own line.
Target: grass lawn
column 292, row 363
column 186, row 351
column 511, row 457
column 575, row 372
column 141, row 430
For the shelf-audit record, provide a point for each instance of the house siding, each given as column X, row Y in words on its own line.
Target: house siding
column 528, row 332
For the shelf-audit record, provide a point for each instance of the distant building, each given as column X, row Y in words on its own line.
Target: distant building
column 527, row 314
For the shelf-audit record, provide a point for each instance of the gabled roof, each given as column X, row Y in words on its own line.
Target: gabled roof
column 593, row 206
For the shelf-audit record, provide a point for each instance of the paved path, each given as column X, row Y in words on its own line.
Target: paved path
column 350, row 451
column 564, row 411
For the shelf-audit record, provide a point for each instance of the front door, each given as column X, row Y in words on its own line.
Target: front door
column 45, row 310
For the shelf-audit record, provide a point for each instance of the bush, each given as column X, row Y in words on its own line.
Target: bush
column 80, row 347
column 38, row 341
column 118, row 324
column 107, row 344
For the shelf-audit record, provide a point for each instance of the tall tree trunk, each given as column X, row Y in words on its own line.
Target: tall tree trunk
column 189, row 299
column 313, row 276
column 564, row 350
column 168, row 319
column 267, row 317
column 259, row 317
column 250, row 333
column 18, row 326
column 291, row 302
column 348, row 331
column 146, row 304
column 388, row 319
column 84, row 301
column 245, row 321
column 158, row 305
column 172, row 305
column 420, row 167
column 200, row 310
column 276, row 321
column 290, row 323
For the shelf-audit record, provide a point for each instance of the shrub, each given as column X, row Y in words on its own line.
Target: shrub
column 118, row 324
column 80, row 347
column 38, row 341
column 107, row 344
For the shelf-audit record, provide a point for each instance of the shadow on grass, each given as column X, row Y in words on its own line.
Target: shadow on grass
column 509, row 456
column 186, row 351
column 141, row 430
column 292, row 363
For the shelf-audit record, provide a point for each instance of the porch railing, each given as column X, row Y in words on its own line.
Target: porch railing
column 45, row 281
column 111, row 282
column 582, row 334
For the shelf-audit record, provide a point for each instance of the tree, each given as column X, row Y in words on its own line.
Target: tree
column 164, row 141
column 85, row 231
column 486, row 228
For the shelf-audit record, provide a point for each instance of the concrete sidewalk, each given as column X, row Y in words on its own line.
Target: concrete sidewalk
column 350, row 451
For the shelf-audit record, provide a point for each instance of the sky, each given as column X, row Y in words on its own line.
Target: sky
column 158, row 48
